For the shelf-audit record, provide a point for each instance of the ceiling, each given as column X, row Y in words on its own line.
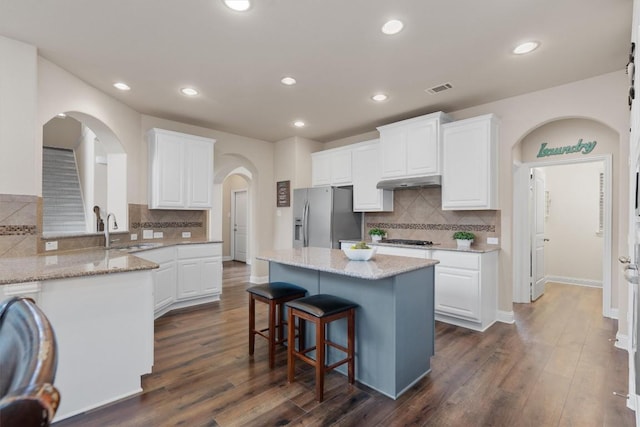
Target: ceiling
column 334, row 48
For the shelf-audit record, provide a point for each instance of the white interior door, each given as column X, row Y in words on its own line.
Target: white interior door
column 240, row 222
column 538, row 279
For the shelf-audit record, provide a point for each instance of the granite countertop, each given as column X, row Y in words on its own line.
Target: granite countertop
column 84, row 262
column 335, row 261
column 437, row 247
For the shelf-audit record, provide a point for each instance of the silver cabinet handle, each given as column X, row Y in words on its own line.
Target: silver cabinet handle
column 624, row 260
column 545, row 240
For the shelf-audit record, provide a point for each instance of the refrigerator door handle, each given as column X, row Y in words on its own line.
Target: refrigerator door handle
column 305, row 225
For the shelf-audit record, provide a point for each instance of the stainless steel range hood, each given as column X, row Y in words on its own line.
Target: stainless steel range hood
column 400, row 183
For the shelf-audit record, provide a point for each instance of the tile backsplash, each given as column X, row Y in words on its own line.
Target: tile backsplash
column 21, row 225
column 19, row 233
column 418, row 214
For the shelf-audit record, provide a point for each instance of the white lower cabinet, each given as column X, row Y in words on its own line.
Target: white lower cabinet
column 466, row 288
column 188, row 275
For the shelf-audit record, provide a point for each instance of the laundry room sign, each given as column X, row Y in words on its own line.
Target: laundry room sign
column 580, row 147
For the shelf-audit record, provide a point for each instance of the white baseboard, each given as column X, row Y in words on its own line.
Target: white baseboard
column 505, row 317
column 622, row 342
column 227, row 258
column 259, row 280
column 575, row 281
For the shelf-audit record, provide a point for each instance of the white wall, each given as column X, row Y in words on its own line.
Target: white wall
column 19, row 144
column 574, row 250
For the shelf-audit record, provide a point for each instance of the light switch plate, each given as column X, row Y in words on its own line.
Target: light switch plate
column 158, row 234
column 147, row 234
column 492, row 241
column 51, row 246
column 186, row 234
column 134, row 236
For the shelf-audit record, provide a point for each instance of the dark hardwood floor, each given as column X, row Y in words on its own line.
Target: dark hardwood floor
column 554, row 367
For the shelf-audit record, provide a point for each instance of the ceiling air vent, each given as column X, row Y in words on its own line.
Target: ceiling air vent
column 440, row 88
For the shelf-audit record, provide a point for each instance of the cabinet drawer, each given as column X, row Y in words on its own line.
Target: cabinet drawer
column 159, row 256
column 199, row 251
column 465, row 260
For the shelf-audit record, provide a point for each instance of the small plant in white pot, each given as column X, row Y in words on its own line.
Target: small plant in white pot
column 377, row 234
column 464, row 239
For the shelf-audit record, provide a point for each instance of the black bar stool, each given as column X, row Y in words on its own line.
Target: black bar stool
column 321, row 309
column 275, row 295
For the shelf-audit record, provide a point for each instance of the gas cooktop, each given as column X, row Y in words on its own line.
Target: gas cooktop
column 408, row 242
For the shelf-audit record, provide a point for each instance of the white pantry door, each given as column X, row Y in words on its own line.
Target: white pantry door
column 240, row 225
column 538, row 279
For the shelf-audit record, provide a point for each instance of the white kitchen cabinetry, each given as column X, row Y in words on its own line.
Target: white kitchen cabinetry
column 164, row 277
column 199, row 271
column 104, row 333
column 466, row 288
column 188, row 275
column 180, row 170
column 470, row 164
column 331, row 167
column 366, row 174
column 412, row 147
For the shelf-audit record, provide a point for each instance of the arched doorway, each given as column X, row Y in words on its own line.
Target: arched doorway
column 536, row 150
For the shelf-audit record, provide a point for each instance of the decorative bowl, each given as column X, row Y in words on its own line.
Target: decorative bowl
column 359, row 254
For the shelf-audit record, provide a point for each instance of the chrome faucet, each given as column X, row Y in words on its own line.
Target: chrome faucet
column 107, row 239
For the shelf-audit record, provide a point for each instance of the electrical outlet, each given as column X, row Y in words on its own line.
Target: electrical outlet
column 134, row 236
column 492, row 241
column 51, row 246
column 147, row 234
column 158, row 234
column 186, row 234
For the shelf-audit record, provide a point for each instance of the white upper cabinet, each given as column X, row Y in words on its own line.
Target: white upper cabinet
column 412, row 147
column 470, row 164
column 331, row 167
column 180, row 170
column 366, row 174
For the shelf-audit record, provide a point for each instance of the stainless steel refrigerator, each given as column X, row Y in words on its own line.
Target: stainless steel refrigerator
column 322, row 216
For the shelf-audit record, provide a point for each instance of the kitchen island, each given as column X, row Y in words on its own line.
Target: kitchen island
column 395, row 315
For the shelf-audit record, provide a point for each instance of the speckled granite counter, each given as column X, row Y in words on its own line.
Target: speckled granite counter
column 86, row 262
column 395, row 315
column 335, row 261
column 449, row 246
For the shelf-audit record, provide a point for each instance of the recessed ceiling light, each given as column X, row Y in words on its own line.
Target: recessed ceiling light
column 189, row 91
column 288, row 81
column 527, row 47
column 121, row 86
column 379, row 97
column 392, row 27
column 61, row 115
column 299, row 124
column 238, row 5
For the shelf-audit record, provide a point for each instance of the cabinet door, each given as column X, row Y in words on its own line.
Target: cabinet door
column 457, row 292
column 423, row 148
column 320, row 169
column 167, row 179
column 211, row 276
column 164, row 285
column 341, row 167
column 199, row 172
column 189, row 278
column 366, row 174
column 393, row 152
column 469, row 179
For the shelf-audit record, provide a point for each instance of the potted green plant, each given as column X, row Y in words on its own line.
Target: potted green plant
column 377, row 234
column 464, row 239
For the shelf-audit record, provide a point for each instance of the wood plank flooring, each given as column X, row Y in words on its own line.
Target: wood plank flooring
column 554, row 367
